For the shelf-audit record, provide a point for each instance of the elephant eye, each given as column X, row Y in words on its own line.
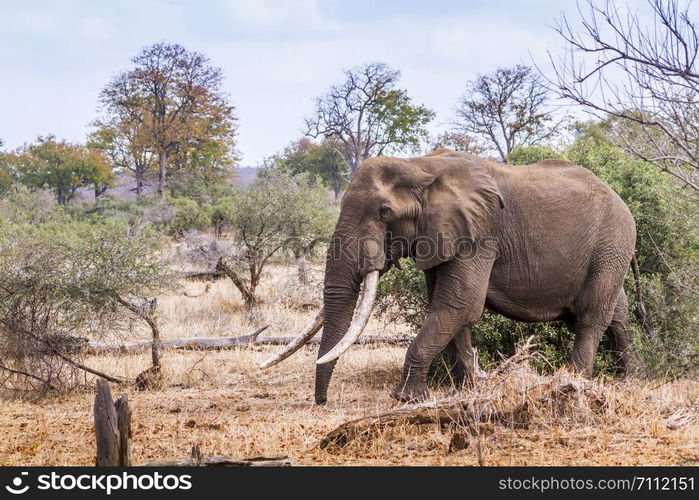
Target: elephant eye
column 384, row 212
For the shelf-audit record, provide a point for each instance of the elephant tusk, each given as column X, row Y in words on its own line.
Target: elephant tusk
column 298, row 342
column 371, row 283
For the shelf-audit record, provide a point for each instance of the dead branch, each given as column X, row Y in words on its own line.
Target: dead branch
column 91, row 370
column 460, row 411
column 46, row 383
column 524, row 352
column 472, row 410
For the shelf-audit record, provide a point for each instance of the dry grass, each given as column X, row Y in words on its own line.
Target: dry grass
column 223, row 402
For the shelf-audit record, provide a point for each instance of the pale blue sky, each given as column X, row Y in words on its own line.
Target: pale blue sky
column 55, row 56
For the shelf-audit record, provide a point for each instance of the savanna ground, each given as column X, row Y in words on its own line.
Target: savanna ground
column 223, row 402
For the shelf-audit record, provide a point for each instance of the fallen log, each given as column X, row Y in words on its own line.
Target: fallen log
column 442, row 412
column 194, row 343
column 209, row 344
column 363, row 340
column 223, row 461
column 478, row 410
column 209, row 275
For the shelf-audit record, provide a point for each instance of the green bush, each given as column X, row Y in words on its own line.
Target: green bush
column 63, row 282
column 667, row 249
column 188, row 215
column 527, row 155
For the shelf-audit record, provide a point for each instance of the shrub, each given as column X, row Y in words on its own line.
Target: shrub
column 527, row 155
column 188, row 215
column 62, row 282
column 279, row 212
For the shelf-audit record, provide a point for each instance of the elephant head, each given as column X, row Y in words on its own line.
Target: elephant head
column 422, row 208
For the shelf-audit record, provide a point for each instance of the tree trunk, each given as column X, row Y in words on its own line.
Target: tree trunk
column 353, row 164
column 112, row 428
column 139, row 183
column 162, row 165
column 302, row 270
column 148, row 312
column 248, row 292
column 155, row 351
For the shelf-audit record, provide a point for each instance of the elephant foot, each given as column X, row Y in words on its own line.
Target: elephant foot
column 410, row 393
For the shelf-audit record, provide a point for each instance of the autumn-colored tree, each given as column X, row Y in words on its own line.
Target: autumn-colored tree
column 507, row 108
column 368, row 115
column 126, row 145
column 62, row 167
column 5, row 178
column 175, row 99
column 209, row 160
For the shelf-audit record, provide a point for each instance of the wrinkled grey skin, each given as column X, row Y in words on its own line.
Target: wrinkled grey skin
column 552, row 241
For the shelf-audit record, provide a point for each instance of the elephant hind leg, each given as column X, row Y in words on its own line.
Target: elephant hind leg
column 618, row 331
column 589, row 325
column 587, row 339
column 461, row 359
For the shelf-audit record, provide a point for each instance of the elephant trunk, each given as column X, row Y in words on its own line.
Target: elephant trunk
column 340, row 292
column 339, row 303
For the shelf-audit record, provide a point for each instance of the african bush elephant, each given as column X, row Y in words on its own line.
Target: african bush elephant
column 542, row 242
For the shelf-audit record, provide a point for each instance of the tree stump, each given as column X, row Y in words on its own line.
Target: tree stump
column 112, row 428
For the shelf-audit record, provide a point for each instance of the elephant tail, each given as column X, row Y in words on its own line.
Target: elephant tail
column 640, row 312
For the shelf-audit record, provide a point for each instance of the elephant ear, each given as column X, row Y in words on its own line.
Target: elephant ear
column 461, row 203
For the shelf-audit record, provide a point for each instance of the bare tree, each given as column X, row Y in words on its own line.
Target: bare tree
column 369, row 115
column 508, row 107
column 645, row 76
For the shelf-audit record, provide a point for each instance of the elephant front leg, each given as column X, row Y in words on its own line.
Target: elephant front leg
column 457, row 300
column 439, row 329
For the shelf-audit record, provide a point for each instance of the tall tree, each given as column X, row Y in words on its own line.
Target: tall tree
column 368, row 115
column 507, row 108
column 175, row 96
column 208, row 159
column 323, row 160
column 646, row 76
column 61, row 167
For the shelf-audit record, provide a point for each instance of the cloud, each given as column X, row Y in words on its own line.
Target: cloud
column 276, row 55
